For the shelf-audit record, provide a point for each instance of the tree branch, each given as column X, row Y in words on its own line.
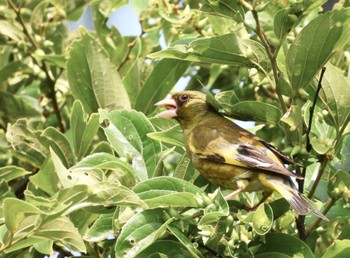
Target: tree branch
column 312, row 110
column 42, row 65
column 270, row 53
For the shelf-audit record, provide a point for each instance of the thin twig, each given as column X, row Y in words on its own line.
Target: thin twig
column 300, row 221
column 50, row 81
column 312, row 110
column 314, row 225
column 318, row 179
column 270, row 53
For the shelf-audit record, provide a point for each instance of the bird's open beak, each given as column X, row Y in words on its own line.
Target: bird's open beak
column 170, row 104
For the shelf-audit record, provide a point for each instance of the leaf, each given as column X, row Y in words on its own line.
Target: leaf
column 11, row 31
column 263, row 219
column 46, row 179
column 339, row 249
column 142, row 230
column 173, row 136
column 283, row 22
column 9, row 173
column 185, row 169
column 333, row 96
column 191, row 247
column 54, row 139
column 121, row 169
column 258, row 53
column 114, row 194
column 167, row 191
column 25, row 141
column 62, row 230
column 83, row 130
column 255, row 111
column 15, row 211
column 168, row 248
column 338, row 185
column 221, row 50
column 225, row 8
column 315, row 44
column 17, row 106
column 127, row 133
column 92, row 77
column 56, row 60
column 158, row 84
column 11, row 68
column 227, row 99
column 101, row 229
column 284, row 244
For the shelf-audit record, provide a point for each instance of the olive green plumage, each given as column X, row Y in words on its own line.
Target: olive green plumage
column 230, row 156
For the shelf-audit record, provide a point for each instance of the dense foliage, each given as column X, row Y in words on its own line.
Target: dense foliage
column 87, row 169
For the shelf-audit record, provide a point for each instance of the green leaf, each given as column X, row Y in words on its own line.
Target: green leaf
column 92, row 77
column 255, row 111
column 11, row 68
column 284, row 244
column 158, row 84
column 271, row 254
column 283, row 22
column 127, row 133
column 225, row 8
column 121, row 169
column 9, row 30
column 15, row 211
column 173, row 136
column 17, row 106
column 339, row 249
column 227, row 99
column 142, row 230
column 54, row 139
column 114, row 194
column 167, row 191
column 9, row 173
column 221, row 49
column 44, row 247
column 101, row 229
column 333, row 96
column 25, row 140
column 181, row 236
column 315, row 44
column 168, row 248
column 263, row 219
column 83, row 130
column 46, row 179
column 63, row 231
column 338, row 185
column 56, row 60
column 185, row 169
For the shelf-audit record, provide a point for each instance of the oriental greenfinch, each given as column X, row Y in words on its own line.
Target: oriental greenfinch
column 230, row 156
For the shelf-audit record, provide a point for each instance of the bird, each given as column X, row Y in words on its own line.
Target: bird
column 230, row 156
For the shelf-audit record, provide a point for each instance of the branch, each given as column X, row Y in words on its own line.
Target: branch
column 270, row 53
column 300, row 221
column 318, row 179
column 318, row 220
column 312, row 110
column 50, row 81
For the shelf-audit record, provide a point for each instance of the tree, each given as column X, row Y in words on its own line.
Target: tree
column 87, row 167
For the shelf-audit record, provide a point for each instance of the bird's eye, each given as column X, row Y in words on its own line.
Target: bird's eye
column 184, row 97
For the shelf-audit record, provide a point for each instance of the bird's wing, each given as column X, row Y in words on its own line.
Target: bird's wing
column 235, row 147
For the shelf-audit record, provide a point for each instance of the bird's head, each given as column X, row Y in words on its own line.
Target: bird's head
column 184, row 106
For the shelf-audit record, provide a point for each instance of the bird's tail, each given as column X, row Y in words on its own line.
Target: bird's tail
column 298, row 202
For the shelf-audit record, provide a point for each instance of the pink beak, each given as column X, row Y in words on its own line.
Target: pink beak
column 170, row 104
